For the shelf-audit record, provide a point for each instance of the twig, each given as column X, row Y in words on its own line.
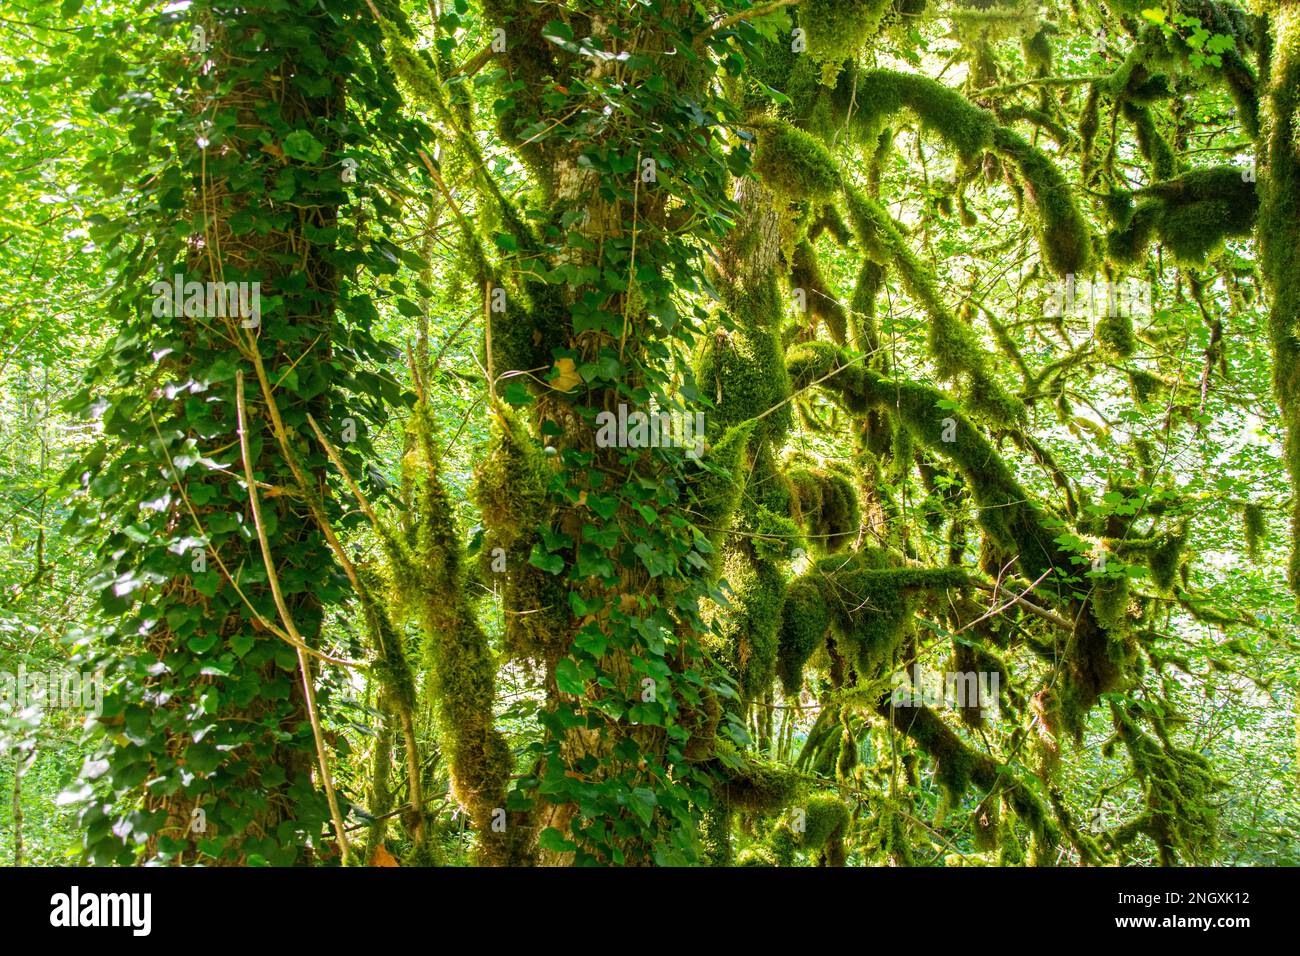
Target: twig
column 309, row 691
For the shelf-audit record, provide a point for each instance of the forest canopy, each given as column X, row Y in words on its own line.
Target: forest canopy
column 650, row 432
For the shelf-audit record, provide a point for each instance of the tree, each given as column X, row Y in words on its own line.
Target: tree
column 761, row 360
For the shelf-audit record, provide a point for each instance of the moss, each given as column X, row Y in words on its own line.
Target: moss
column 804, row 619
column 742, row 371
column 1089, row 124
column 986, row 822
column 794, row 163
column 1279, row 239
column 883, row 93
column 759, row 855
column 806, row 274
column 1109, row 597
column 717, row 491
column 1115, row 334
column 1191, row 215
column 429, row 574
column 1178, row 787
column 1063, row 234
column 838, row 30
column 827, row 506
column 953, row 344
column 1037, row 48
column 1254, row 528
column 1166, row 555
column 750, row 628
column 754, row 785
column 826, row 818
column 1153, row 147
column 511, row 481
column 715, row 833
column 871, row 601
column 895, row 843
column 1145, row 385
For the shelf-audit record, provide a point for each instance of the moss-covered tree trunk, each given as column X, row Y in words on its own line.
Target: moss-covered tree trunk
column 1279, row 231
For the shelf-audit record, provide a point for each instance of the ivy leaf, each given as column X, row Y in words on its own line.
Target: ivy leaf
column 568, row 678
column 303, row 146
column 551, row 563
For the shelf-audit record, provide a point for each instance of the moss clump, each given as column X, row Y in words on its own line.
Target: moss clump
column 702, row 722
column 750, row 628
column 1153, row 147
column 838, row 29
column 1115, row 334
column 1038, row 48
column 1254, row 528
column 804, row 619
column 511, row 481
column 757, row 855
column 1109, row 597
column 826, row 819
column 1165, row 555
column 827, row 506
column 806, row 274
column 872, row 601
column 794, row 163
column 717, row 491
column 753, row 785
column 742, row 371
column 1145, row 385
column 961, row 124
column 1063, row 234
column 1177, row 787
column 1191, row 215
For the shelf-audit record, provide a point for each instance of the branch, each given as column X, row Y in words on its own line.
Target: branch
column 309, row 691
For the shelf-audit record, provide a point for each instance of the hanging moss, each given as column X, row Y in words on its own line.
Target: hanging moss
column 827, row 505
column 1145, row 385
column 1166, row 555
column 1177, row 787
column 1063, row 234
column 986, row 823
column 718, row 490
column 1254, row 528
column 1191, row 215
column 806, row 274
column 804, row 619
column 1115, row 334
column 1037, row 48
column 1153, row 147
column 872, row 601
column 794, row 163
column 838, row 29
